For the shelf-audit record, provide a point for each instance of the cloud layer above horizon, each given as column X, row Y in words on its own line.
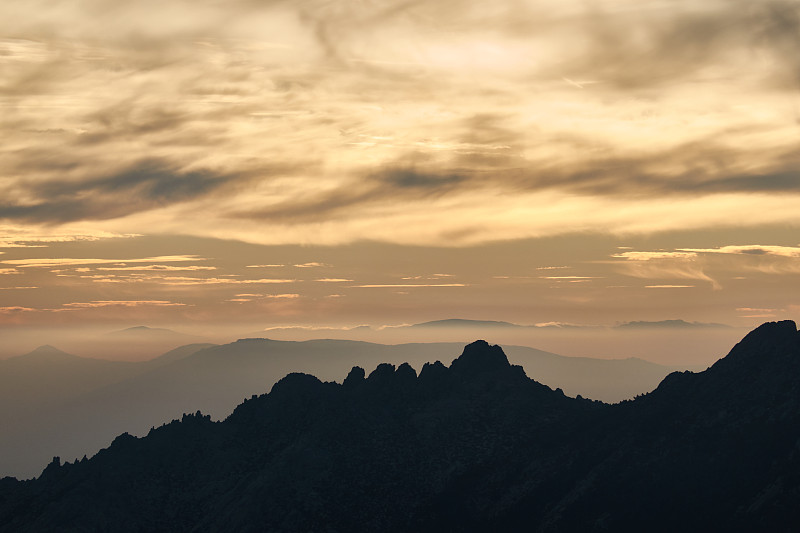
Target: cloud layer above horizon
column 440, row 123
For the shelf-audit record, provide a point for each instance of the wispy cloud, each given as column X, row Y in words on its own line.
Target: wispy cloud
column 410, row 285
column 156, row 268
column 118, row 303
column 219, row 281
column 314, row 264
column 664, row 265
column 59, row 262
column 251, row 298
column 648, row 256
column 142, row 186
column 636, row 105
column 710, row 264
column 15, row 309
column 756, row 312
column 21, row 237
column 429, row 277
column 570, row 278
column 750, row 249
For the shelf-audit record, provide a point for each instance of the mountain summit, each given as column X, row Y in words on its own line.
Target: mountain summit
column 479, row 358
column 44, row 353
column 475, row 446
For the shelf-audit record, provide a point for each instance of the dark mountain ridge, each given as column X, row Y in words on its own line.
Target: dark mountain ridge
column 70, row 406
column 475, row 446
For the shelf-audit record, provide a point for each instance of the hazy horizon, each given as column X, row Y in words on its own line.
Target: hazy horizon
column 681, row 343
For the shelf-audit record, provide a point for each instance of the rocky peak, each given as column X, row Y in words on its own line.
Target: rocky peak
column 355, row 376
column 480, row 358
column 770, row 342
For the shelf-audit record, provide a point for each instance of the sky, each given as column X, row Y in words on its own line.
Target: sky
column 254, row 164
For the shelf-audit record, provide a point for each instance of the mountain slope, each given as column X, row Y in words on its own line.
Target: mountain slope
column 214, row 379
column 39, row 396
column 48, row 375
column 472, row 447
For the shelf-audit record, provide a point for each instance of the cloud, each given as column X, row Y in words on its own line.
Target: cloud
column 389, row 185
column 314, row 264
column 669, row 286
column 710, row 264
column 750, row 249
column 648, row 256
column 332, row 280
column 411, row 285
column 646, row 46
column 4, row 271
column 144, row 185
column 15, row 309
column 663, row 265
column 55, row 262
column 118, row 303
column 570, row 277
column 178, row 280
column 757, row 312
column 16, row 237
column 156, row 268
column 218, row 281
column 703, row 166
column 410, row 179
column 264, row 266
column 444, row 123
column 288, row 296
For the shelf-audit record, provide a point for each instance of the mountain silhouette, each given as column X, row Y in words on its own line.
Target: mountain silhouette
column 464, row 323
column 473, row 446
column 70, row 406
column 44, row 353
column 669, row 324
column 150, row 333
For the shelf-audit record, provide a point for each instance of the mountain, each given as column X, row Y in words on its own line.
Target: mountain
column 475, row 446
column 465, row 323
column 48, row 375
column 637, row 324
column 138, row 343
column 149, row 333
column 40, row 394
column 669, row 324
column 77, row 418
column 176, row 354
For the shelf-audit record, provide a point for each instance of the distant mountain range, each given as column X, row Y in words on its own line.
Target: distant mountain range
column 53, row 403
column 470, row 324
column 669, row 324
column 473, row 446
column 148, row 333
column 464, row 323
column 481, row 324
